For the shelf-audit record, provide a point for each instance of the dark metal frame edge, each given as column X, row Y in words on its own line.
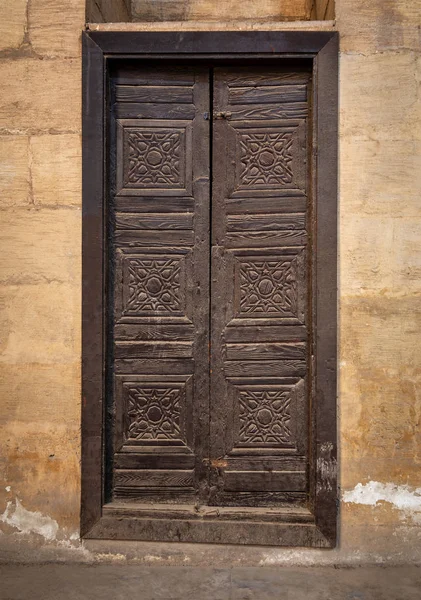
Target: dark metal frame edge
column 323, row 48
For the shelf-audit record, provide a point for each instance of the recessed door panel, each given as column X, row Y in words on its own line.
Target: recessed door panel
column 159, row 305
column 260, row 288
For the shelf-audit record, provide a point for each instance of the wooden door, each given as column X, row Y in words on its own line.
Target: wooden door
column 158, row 366
column 260, row 316
column 229, row 426
column 209, row 287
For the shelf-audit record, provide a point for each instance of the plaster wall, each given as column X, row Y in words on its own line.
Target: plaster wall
column 379, row 287
column 203, row 10
column 108, row 11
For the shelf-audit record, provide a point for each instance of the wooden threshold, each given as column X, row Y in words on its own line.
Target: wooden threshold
column 295, row 514
column 293, row 526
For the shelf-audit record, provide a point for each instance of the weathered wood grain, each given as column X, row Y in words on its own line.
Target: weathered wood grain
column 259, row 235
column 154, row 221
column 267, row 94
column 265, row 351
column 153, row 349
column 159, row 494
column 271, row 481
column 266, row 333
column 154, row 76
column 136, row 461
column 267, row 238
column 149, row 366
column 144, row 110
column 249, row 77
column 159, row 156
column 266, row 222
column 212, row 531
column 293, row 110
column 265, row 368
column 161, row 94
column 261, row 499
column 154, row 331
column 93, row 302
column 151, row 238
column 276, row 204
column 153, row 205
column 175, row 512
column 268, row 463
column 154, row 478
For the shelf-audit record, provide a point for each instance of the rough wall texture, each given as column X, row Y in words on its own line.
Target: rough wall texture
column 380, row 284
column 40, row 200
column 108, row 11
column 209, row 10
column 380, row 269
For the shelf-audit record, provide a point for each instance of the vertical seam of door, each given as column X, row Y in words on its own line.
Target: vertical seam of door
column 211, row 82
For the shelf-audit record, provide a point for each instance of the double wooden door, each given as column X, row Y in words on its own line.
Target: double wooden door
column 209, row 285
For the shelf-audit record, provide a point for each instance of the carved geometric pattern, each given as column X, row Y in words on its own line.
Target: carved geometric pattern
column 153, row 285
column 154, row 412
column 265, row 417
column 153, row 158
column 268, row 287
column 266, row 158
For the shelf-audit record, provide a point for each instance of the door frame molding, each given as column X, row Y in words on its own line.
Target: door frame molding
column 322, row 49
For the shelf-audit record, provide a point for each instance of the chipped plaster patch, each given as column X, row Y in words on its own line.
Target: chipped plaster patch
column 108, row 556
column 326, row 467
column 27, row 521
column 402, row 497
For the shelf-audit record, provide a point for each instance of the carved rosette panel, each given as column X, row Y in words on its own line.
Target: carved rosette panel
column 268, row 287
column 265, row 417
column 266, row 158
column 153, row 412
column 153, row 158
column 152, row 286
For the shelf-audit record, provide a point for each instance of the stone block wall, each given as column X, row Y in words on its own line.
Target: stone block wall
column 209, row 10
column 380, row 274
column 379, row 286
column 114, row 11
column 40, row 257
column 108, row 11
column 231, row 10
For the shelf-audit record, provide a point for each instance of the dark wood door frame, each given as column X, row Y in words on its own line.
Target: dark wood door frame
column 286, row 530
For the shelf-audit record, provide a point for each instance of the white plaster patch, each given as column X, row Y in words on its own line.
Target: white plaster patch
column 108, row 556
column 7, row 488
column 326, row 467
column 27, row 521
column 403, row 497
column 153, row 558
column 327, row 470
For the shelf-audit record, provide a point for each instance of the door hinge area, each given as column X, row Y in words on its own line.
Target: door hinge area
column 217, row 115
column 222, row 115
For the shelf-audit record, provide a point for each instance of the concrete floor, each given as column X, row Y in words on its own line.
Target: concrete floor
column 131, row 582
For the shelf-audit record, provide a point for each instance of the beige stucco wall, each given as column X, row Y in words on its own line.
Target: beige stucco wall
column 380, row 280
column 209, row 10
column 108, row 11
